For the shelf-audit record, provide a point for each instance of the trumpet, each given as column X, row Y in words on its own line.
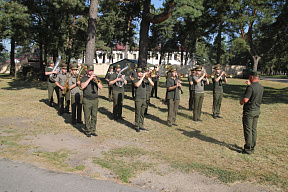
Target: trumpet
column 96, row 80
column 180, row 88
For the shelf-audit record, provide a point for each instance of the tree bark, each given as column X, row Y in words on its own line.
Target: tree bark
column 12, row 57
column 148, row 18
column 90, row 45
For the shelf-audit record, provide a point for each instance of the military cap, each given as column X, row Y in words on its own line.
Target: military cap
column 216, row 67
column 254, row 73
column 139, row 69
column 155, row 66
column 90, row 67
column 199, row 68
column 135, row 65
column 51, row 61
column 64, row 66
column 147, row 69
column 74, row 66
column 193, row 70
column 117, row 66
column 173, row 68
column 111, row 67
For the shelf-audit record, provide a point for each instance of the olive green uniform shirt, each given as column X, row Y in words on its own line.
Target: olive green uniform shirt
column 174, row 94
column 73, row 80
column 217, row 86
column 140, row 92
column 91, row 91
column 255, row 93
column 61, row 78
column 49, row 69
column 199, row 87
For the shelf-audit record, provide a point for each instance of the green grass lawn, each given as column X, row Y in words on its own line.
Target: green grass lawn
column 210, row 147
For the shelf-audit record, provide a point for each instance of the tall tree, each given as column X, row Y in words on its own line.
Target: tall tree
column 14, row 25
column 147, row 18
column 90, row 44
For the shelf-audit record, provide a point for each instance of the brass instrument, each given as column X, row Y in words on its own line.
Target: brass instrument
column 121, row 83
column 153, row 72
column 56, row 67
column 180, row 88
column 81, row 71
column 66, row 86
column 96, row 80
column 209, row 76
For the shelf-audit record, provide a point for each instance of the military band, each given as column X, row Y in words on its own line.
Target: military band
column 86, row 91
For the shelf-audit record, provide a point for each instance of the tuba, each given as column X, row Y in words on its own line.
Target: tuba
column 121, row 83
column 53, row 76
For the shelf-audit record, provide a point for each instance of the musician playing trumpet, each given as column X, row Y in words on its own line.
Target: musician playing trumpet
column 118, row 93
column 218, row 79
column 173, row 85
column 199, row 80
column 64, row 92
column 141, row 83
column 90, row 86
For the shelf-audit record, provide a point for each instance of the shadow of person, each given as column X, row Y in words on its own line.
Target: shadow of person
column 46, row 101
column 79, row 126
column 197, row 134
column 106, row 112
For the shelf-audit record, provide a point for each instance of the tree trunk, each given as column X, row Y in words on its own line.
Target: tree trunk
column 219, row 44
column 90, row 45
column 12, row 57
column 144, row 29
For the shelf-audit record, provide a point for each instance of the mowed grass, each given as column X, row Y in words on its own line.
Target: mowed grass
column 210, row 147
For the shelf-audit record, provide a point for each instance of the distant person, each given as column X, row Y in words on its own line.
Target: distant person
column 173, row 86
column 76, row 95
column 199, row 80
column 155, row 80
column 118, row 93
column 251, row 111
column 140, row 98
column 64, row 92
column 218, row 80
column 191, row 89
column 51, row 84
column 132, row 76
column 108, row 78
column 90, row 86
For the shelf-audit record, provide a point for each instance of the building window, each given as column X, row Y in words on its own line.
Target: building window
column 134, row 56
column 175, row 57
column 148, row 56
column 170, row 56
column 121, row 56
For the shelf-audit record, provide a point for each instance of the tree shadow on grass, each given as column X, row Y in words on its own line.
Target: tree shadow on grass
column 271, row 95
column 197, row 134
column 20, row 84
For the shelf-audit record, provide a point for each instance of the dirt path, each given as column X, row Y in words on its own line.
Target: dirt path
column 161, row 178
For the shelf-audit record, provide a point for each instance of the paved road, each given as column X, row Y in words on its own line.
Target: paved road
column 27, row 178
column 274, row 79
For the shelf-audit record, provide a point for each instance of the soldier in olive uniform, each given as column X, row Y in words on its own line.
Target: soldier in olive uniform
column 90, row 87
column 199, row 81
column 148, row 89
column 218, row 80
column 118, row 93
column 140, row 98
column 132, row 76
column 108, row 78
column 155, row 80
column 173, row 86
column 191, row 89
column 76, row 95
column 62, row 82
column 51, row 84
column 251, row 111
